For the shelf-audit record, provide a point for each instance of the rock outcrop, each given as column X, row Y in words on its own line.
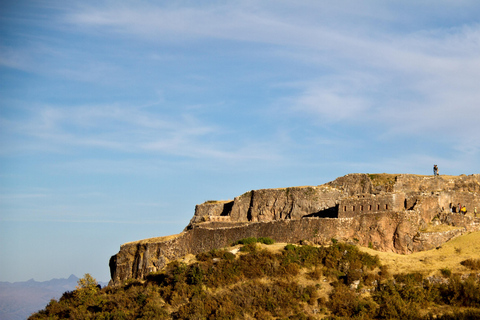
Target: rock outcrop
column 397, row 213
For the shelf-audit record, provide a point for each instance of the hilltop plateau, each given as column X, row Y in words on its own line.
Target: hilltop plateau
column 397, row 213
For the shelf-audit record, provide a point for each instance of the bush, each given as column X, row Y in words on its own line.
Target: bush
column 86, row 288
column 306, row 256
column 290, row 247
column 248, row 240
column 228, row 256
column 472, row 264
column 266, row 240
column 391, row 305
column 248, row 300
column 409, row 278
column 195, row 275
column 215, row 253
column 249, row 247
column 346, row 303
column 446, row 272
column 460, row 315
column 384, row 273
column 461, row 293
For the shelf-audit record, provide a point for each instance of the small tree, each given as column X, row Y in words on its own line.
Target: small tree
column 86, row 288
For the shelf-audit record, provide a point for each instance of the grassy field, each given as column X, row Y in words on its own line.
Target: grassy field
column 430, row 262
column 154, row 240
column 448, row 256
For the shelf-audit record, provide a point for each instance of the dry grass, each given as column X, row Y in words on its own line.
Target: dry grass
column 430, row 262
column 218, row 201
column 276, row 247
column 382, row 178
column 449, row 255
column 154, row 240
column 440, row 228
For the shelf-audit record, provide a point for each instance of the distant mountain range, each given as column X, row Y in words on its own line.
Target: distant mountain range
column 18, row 300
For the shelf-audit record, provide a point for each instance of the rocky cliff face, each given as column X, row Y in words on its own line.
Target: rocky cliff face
column 270, row 205
column 398, row 213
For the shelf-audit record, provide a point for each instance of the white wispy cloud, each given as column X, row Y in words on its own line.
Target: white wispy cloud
column 423, row 84
column 98, row 221
column 17, row 196
column 128, row 129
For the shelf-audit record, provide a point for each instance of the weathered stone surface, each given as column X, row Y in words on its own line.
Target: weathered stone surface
column 272, row 204
column 387, row 212
column 209, row 209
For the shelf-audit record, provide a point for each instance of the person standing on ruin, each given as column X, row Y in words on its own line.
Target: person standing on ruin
column 435, row 170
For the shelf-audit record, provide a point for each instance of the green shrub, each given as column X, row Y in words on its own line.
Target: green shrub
column 249, row 240
column 446, row 272
column 215, row 253
column 86, row 288
column 472, row 264
column 249, row 247
column 461, row 293
column 384, row 273
column 266, row 240
column 244, row 241
column 409, row 278
column 459, row 315
column 290, row 247
column 228, row 256
column 344, row 302
column 304, row 255
column 195, row 275
column 391, row 305
column 248, row 300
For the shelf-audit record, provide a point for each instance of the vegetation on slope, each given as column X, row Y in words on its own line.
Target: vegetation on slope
column 450, row 255
column 383, row 179
column 294, row 282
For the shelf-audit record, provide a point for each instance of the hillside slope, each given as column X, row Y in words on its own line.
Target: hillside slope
column 284, row 281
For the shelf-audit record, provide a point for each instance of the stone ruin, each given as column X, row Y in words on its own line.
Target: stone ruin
column 400, row 213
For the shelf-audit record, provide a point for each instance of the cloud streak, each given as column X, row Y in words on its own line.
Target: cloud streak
column 436, row 65
column 363, row 71
column 127, row 129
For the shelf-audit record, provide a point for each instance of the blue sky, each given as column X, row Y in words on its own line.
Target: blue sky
column 117, row 117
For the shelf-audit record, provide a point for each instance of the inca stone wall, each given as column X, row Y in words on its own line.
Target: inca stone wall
column 272, row 204
column 408, row 205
